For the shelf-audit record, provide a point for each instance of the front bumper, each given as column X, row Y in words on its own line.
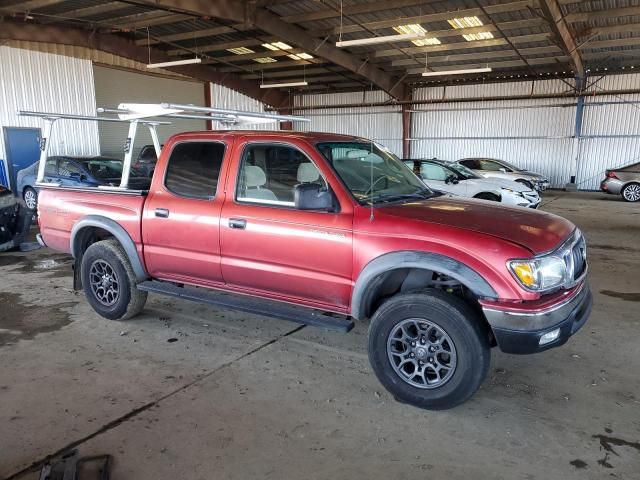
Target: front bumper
column 520, row 332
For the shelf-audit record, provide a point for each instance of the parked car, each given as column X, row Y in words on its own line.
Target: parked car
column 15, row 220
column 494, row 168
column 623, row 181
column 146, row 161
column 76, row 172
column 323, row 229
column 452, row 177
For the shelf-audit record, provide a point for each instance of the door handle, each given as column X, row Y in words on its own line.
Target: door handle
column 162, row 213
column 237, row 223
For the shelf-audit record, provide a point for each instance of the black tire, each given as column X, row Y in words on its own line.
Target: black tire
column 631, row 192
column 458, row 321
column 30, row 197
column 108, row 259
column 488, row 196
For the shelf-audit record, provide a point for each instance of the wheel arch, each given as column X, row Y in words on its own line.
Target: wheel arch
column 92, row 228
column 370, row 282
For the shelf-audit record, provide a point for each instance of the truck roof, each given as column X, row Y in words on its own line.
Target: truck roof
column 314, row 136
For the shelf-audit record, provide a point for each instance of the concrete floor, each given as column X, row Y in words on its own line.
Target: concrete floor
column 241, row 397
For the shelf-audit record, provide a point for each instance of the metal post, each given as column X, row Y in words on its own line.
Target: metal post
column 154, row 138
column 128, row 153
column 44, row 148
column 577, row 134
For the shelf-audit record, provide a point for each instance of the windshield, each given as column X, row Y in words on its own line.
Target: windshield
column 106, row 168
column 507, row 164
column 461, row 170
column 372, row 173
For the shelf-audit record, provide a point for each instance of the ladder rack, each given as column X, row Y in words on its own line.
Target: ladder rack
column 147, row 114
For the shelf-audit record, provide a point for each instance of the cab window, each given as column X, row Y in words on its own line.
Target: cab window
column 194, row 169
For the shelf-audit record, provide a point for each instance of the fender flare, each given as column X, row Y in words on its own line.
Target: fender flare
column 118, row 232
column 361, row 301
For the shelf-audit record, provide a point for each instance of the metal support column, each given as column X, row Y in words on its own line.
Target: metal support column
column 577, row 134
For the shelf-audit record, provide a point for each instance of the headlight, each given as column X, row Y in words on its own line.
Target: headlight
column 539, row 274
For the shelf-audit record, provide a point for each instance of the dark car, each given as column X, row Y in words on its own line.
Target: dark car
column 623, row 181
column 15, row 220
column 78, row 172
column 146, row 161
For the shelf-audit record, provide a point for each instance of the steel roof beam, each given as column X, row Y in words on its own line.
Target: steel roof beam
column 262, row 19
column 117, row 45
column 553, row 14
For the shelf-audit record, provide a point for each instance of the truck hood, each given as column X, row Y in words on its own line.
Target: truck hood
column 536, row 231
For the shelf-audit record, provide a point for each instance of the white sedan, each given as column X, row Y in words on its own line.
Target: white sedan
column 451, row 177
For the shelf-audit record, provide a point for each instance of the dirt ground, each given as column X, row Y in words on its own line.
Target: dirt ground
column 187, row 391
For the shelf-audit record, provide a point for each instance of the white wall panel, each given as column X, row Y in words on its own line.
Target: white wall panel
column 223, row 97
column 381, row 124
column 31, row 80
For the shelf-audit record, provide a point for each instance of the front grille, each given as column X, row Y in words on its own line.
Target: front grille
column 579, row 257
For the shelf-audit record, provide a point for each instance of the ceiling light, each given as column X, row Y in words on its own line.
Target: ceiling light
column 417, row 29
column 375, row 40
column 300, row 56
column 175, row 63
column 277, row 46
column 265, row 60
column 240, row 50
column 286, row 84
column 470, row 22
column 456, row 72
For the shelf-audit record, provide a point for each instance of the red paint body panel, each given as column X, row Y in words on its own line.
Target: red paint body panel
column 307, row 258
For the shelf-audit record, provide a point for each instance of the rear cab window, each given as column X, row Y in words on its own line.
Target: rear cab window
column 193, row 170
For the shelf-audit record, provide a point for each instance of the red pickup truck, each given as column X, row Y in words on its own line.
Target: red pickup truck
column 325, row 229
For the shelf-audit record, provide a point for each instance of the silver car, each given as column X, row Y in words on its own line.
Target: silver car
column 624, row 181
column 492, row 167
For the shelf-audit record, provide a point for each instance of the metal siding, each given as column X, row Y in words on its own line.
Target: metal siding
column 32, row 80
column 116, row 86
column 223, row 97
column 381, row 124
column 600, row 154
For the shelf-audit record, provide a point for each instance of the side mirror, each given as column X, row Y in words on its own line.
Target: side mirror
column 312, row 196
column 503, row 170
column 452, row 179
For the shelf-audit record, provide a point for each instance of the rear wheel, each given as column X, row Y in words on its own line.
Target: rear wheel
column 631, row 192
column 429, row 349
column 109, row 282
column 488, row 196
column 30, row 197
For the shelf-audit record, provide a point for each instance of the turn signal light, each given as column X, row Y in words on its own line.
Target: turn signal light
column 524, row 271
column 611, row 174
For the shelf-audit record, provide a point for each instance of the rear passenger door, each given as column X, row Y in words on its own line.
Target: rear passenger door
column 180, row 226
column 271, row 248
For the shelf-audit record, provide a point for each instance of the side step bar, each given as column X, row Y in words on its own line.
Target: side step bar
column 248, row 304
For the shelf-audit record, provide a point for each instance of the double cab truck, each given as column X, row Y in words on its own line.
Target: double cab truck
column 327, row 230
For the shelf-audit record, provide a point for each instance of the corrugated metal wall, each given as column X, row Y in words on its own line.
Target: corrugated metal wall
column 32, row 80
column 113, row 86
column 223, row 97
column 535, row 134
column 382, row 124
column 610, row 130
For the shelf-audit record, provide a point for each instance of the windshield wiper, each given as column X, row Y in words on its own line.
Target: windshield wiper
column 392, row 197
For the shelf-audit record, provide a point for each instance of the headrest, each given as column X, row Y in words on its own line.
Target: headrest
column 254, row 176
column 308, row 173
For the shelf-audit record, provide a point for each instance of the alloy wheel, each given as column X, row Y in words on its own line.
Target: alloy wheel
column 104, row 283
column 631, row 193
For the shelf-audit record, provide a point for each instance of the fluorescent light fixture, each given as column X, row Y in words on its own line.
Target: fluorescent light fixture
column 442, row 73
column 277, row 46
column 286, row 84
column 300, row 56
column 265, row 60
column 375, row 40
column 175, row 63
column 419, row 30
column 240, row 50
column 470, row 22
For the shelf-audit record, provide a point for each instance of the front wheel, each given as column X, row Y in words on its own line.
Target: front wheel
column 429, row 349
column 631, row 192
column 30, row 197
column 109, row 282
